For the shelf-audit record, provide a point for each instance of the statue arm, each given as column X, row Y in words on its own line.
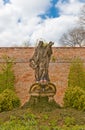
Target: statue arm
column 48, row 50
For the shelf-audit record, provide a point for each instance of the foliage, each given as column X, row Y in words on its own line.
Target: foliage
column 41, row 104
column 75, row 97
column 7, row 77
column 19, row 124
column 69, row 121
column 75, row 93
column 76, row 75
column 53, row 59
column 59, row 119
column 8, row 100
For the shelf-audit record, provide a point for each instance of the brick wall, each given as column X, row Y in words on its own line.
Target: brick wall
column 58, row 70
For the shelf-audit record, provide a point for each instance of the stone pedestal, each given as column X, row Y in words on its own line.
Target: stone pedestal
column 43, row 90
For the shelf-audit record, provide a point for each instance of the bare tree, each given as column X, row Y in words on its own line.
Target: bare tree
column 76, row 36
column 26, row 44
column 73, row 38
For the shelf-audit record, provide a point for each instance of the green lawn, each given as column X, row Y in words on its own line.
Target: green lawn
column 57, row 119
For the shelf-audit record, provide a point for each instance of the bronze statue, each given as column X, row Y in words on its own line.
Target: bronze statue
column 40, row 61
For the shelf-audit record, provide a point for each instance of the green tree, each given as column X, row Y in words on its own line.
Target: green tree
column 7, row 77
column 76, row 75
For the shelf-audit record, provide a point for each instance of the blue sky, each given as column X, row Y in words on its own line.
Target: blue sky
column 6, row 1
column 24, row 20
column 52, row 11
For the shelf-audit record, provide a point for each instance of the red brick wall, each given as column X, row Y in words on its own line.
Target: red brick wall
column 58, row 71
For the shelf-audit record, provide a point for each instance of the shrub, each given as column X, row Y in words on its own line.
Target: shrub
column 76, row 75
column 7, row 78
column 8, row 100
column 75, row 97
column 53, row 59
column 69, row 121
column 82, row 102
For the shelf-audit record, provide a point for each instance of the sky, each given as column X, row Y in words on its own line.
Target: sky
column 33, row 20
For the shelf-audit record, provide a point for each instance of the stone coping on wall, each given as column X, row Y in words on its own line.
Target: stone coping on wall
column 35, row 46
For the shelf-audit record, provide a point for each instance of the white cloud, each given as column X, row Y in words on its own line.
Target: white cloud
column 52, row 29
column 19, row 32
column 1, row 3
column 30, row 26
column 72, row 7
column 12, row 32
column 31, row 8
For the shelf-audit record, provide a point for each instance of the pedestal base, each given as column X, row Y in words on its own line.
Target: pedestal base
column 43, row 90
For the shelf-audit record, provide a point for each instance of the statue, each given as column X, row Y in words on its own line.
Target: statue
column 40, row 61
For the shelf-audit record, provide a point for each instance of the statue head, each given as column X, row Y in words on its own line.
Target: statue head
column 40, row 44
column 51, row 43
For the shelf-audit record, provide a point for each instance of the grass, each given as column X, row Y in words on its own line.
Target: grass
column 27, row 119
column 42, row 115
column 46, row 114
